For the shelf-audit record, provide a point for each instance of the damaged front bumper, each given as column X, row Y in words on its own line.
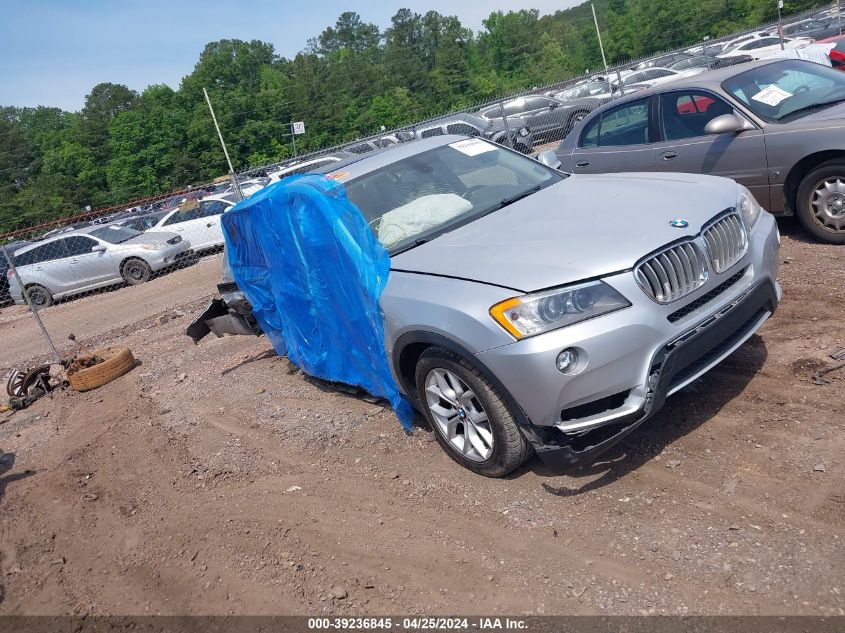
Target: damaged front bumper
column 673, row 366
column 230, row 314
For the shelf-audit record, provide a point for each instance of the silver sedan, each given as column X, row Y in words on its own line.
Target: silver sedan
column 91, row 258
column 776, row 127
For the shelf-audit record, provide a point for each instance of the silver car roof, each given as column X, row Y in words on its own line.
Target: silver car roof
column 60, row 236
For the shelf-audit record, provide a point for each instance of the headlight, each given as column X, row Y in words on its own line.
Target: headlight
column 153, row 246
column 523, row 131
column 544, row 311
column 748, row 207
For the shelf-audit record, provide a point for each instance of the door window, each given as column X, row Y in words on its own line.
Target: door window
column 761, row 43
column 191, row 213
column 213, row 207
column 624, row 125
column 78, row 245
column 44, row 253
column 462, row 128
column 435, row 131
column 686, row 114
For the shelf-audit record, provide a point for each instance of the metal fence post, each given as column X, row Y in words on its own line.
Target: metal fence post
column 511, row 142
column 31, row 308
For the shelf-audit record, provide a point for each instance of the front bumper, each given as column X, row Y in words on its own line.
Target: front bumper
column 172, row 254
column 616, row 389
column 674, row 366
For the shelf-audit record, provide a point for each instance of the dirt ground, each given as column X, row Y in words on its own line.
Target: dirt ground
column 216, row 479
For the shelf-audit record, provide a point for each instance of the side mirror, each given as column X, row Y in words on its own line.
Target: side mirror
column 549, row 159
column 726, row 124
column 99, row 248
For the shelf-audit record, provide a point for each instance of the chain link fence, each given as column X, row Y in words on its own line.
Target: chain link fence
column 78, row 280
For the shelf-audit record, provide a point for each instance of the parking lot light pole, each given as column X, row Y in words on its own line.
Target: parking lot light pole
column 780, row 25
column 235, row 182
column 31, row 308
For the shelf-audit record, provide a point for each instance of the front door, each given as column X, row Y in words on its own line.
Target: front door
column 90, row 268
column 684, row 147
column 617, row 140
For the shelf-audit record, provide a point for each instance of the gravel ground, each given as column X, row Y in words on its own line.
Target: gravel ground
column 218, row 479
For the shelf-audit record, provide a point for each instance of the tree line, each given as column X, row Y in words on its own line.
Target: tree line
column 349, row 81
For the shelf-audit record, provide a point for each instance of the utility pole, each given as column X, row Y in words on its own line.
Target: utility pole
column 232, row 175
column 293, row 139
column 598, row 32
column 780, row 25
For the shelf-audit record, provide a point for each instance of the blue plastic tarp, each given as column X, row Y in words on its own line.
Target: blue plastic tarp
column 307, row 261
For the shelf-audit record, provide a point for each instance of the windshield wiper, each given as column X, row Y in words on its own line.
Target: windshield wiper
column 812, row 106
column 506, row 201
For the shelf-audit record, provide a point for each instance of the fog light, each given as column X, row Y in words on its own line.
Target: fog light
column 566, row 361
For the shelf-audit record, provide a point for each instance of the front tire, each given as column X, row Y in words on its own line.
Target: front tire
column 820, row 202
column 136, row 271
column 39, row 296
column 470, row 418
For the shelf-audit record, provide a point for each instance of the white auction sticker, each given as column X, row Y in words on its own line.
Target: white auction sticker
column 772, row 95
column 472, row 146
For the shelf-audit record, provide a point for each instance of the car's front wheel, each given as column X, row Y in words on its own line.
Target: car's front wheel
column 821, row 202
column 469, row 416
column 39, row 296
column 136, row 271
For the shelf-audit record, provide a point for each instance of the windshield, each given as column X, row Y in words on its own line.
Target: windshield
column 419, row 197
column 115, row 234
column 586, row 90
column 786, row 89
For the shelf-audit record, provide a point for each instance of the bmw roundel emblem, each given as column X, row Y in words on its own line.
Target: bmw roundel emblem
column 678, row 223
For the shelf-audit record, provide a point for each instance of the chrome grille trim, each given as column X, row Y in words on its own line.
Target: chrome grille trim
column 726, row 242
column 672, row 273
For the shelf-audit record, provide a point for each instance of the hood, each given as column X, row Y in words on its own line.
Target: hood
column 149, row 238
column 833, row 112
column 583, row 227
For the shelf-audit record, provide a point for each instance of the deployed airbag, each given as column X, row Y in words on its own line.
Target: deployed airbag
column 420, row 215
column 307, row 261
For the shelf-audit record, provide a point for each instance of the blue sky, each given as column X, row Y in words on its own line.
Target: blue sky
column 53, row 52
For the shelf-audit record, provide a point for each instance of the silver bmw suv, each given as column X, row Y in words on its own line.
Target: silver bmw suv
column 531, row 310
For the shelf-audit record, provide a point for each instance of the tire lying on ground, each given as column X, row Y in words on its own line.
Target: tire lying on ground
column 115, row 362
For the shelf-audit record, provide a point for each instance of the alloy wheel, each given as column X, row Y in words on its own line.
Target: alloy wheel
column 135, row 270
column 828, row 203
column 458, row 415
column 37, row 297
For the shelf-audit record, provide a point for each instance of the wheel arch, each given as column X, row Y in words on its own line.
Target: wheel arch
column 129, row 258
column 801, row 169
column 409, row 348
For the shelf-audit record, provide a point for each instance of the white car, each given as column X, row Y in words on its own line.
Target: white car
column 249, row 187
column 658, row 76
column 197, row 221
column 764, row 47
column 305, row 166
column 744, row 39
